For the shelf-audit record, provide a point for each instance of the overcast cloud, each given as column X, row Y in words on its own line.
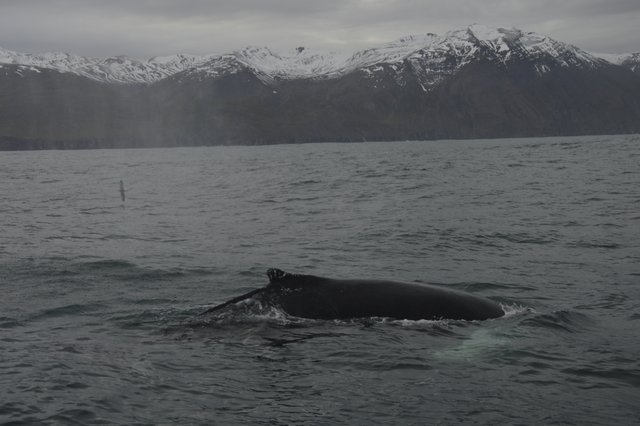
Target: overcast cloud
column 145, row 28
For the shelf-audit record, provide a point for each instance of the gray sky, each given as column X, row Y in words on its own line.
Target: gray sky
column 145, row 28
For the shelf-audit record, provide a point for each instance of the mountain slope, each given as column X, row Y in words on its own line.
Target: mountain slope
column 632, row 61
column 471, row 83
column 628, row 60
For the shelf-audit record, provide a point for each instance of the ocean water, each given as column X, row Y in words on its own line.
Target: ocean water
column 100, row 298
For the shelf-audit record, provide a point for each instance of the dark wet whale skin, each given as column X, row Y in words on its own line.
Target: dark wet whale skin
column 309, row 296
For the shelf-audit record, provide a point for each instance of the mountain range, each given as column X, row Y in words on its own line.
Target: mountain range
column 476, row 82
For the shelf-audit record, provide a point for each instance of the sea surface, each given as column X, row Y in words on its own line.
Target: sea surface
column 100, row 298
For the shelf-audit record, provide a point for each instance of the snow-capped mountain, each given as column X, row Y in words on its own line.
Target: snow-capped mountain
column 117, row 69
column 463, row 46
column 632, row 62
column 433, row 57
column 300, row 63
column 475, row 82
column 627, row 60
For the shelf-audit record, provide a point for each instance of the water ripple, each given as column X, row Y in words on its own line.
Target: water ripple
column 98, row 315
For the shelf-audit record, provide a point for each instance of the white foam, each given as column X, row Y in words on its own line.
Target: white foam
column 513, row 310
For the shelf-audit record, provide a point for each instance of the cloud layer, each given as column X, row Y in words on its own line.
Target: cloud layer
column 145, row 28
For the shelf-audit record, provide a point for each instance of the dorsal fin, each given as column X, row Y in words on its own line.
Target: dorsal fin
column 275, row 274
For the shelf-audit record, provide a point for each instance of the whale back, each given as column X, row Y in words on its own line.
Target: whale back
column 309, row 296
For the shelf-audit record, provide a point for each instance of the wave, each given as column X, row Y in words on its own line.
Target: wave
column 61, row 268
column 560, row 321
column 479, row 286
column 72, row 310
column 106, row 264
column 518, row 238
column 75, row 416
column 154, row 320
column 594, row 244
column 8, row 322
column 306, row 182
column 611, row 376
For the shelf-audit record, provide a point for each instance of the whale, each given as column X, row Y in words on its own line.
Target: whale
column 314, row 297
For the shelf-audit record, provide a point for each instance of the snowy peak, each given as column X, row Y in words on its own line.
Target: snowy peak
column 116, row 69
column 434, row 58
column 389, row 53
column 299, row 63
column 510, row 44
column 632, row 61
column 431, row 57
column 627, row 60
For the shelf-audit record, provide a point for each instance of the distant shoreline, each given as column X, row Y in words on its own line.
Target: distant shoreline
column 15, row 145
